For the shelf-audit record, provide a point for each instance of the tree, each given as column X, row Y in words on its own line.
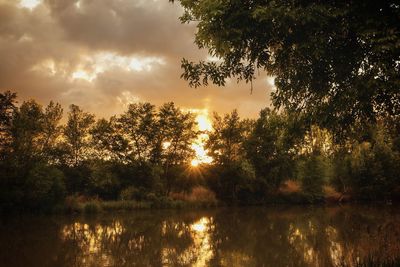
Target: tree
column 272, row 146
column 138, row 124
column 177, row 133
column 51, row 131
column 108, row 140
column 44, row 187
column 312, row 175
column 27, row 126
column 175, row 136
column 76, row 134
column 337, row 61
column 7, row 109
column 225, row 142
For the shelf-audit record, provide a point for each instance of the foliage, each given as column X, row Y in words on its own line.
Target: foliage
column 232, row 183
column 44, row 187
column 312, row 174
column 337, row 62
column 76, row 134
column 103, row 182
column 92, row 207
column 226, row 141
column 143, row 156
column 7, row 109
column 271, row 146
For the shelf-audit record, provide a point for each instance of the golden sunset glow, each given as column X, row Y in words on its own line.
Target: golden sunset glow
column 204, row 125
column 194, row 163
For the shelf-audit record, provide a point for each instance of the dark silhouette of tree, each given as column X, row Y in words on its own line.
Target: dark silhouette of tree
column 145, row 154
column 108, row 140
column 226, row 141
column 7, row 108
column 176, row 131
column 138, row 125
column 76, row 134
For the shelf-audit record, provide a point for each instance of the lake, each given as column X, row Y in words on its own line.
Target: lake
column 252, row 236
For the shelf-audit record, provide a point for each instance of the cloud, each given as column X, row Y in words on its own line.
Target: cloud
column 104, row 54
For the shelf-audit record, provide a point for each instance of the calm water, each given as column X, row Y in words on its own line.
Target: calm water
column 273, row 236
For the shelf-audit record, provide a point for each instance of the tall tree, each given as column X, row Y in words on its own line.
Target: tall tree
column 176, row 133
column 176, row 129
column 138, row 124
column 27, row 127
column 51, row 130
column 336, row 60
column 225, row 142
column 271, row 146
column 108, row 140
column 76, row 134
column 7, row 108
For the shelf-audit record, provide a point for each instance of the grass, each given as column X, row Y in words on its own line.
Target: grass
column 371, row 261
column 80, row 204
column 124, row 205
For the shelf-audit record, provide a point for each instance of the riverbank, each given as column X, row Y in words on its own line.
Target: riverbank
column 199, row 198
column 81, row 205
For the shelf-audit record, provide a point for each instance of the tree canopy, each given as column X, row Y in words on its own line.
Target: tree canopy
column 337, row 61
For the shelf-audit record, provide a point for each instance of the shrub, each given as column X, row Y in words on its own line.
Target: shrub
column 198, row 194
column 74, row 203
column 92, row 207
column 312, row 174
column 133, row 193
column 45, row 187
column 374, row 170
column 103, row 182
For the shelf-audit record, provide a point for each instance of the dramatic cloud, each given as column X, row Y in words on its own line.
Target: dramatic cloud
column 105, row 54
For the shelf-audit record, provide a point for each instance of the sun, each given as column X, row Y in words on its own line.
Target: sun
column 194, row 163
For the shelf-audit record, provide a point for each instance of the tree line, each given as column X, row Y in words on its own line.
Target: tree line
column 144, row 154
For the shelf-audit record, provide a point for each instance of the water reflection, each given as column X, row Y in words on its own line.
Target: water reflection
column 222, row 237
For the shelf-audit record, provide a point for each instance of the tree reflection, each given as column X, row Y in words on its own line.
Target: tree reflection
column 301, row 236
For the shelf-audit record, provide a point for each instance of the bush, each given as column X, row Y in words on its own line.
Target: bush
column 312, row 175
column 45, row 187
column 374, row 170
column 92, row 207
column 133, row 193
column 233, row 183
column 197, row 194
column 103, row 182
column 74, row 204
column 124, row 205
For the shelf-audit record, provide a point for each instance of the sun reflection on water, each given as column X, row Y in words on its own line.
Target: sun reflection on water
column 199, row 253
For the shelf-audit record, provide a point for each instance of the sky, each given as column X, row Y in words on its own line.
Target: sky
column 104, row 54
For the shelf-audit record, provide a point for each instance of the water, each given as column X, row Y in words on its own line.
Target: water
column 273, row 236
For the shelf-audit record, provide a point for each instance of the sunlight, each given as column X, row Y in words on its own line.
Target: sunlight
column 81, row 74
column 92, row 66
column 204, row 125
column 203, row 122
column 201, row 153
column 201, row 239
column 271, row 82
column 194, row 163
column 200, row 225
column 166, row 145
column 31, row 4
